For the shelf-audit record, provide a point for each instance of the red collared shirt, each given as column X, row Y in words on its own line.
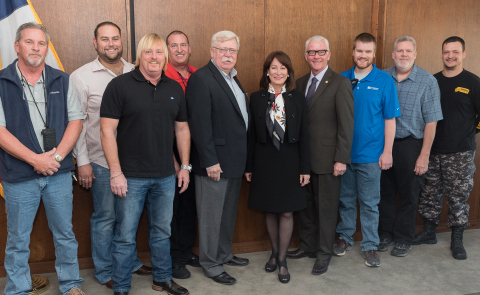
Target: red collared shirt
column 173, row 74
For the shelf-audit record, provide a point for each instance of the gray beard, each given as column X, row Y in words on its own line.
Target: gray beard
column 33, row 63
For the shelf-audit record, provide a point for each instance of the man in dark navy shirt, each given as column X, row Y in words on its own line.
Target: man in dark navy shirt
column 451, row 162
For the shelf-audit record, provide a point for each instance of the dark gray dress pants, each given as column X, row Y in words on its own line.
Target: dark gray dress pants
column 317, row 222
column 217, row 203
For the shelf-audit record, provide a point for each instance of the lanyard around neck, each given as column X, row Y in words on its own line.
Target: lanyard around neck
column 24, row 80
column 183, row 79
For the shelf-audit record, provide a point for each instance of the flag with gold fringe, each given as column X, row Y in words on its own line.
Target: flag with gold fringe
column 14, row 13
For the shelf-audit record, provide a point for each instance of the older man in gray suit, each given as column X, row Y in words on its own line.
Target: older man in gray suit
column 330, row 116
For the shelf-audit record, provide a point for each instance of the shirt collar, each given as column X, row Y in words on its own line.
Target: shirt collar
column 320, row 75
column 171, row 70
column 272, row 90
column 139, row 76
column 20, row 74
column 412, row 76
column 370, row 77
column 97, row 65
column 233, row 72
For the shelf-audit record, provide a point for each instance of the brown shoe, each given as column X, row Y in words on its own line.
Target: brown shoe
column 76, row 291
column 144, row 271
column 320, row 267
column 299, row 253
column 109, row 284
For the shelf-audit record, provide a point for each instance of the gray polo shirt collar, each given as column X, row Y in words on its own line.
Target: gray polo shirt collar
column 20, row 75
column 412, row 76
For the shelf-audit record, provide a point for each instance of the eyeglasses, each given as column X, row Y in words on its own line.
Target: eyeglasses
column 224, row 50
column 314, row 52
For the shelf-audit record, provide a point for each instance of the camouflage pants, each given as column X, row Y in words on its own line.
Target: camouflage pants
column 450, row 175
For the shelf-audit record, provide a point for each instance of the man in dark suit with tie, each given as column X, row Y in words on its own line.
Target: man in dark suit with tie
column 330, row 118
column 218, row 118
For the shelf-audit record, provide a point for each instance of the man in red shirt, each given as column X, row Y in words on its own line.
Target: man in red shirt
column 184, row 226
column 179, row 52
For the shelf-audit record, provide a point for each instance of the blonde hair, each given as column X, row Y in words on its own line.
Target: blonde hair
column 147, row 42
column 223, row 36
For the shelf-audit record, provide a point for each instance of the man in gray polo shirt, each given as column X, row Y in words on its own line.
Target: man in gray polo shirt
column 419, row 98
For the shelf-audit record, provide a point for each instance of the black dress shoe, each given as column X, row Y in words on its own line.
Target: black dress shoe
column 299, row 253
column 320, row 267
column 144, row 271
column 171, row 287
column 120, row 293
column 193, row 260
column 237, row 261
column 224, row 279
column 179, row 271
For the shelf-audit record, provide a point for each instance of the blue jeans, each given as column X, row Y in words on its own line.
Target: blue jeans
column 21, row 201
column 157, row 194
column 360, row 182
column 102, row 225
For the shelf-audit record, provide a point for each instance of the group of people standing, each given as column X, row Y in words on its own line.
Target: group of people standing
column 316, row 145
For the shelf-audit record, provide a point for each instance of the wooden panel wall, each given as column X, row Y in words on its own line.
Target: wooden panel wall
column 200, row 20
column 288, row 24
column 430, row 24
column 71, row 27
column 263, row 26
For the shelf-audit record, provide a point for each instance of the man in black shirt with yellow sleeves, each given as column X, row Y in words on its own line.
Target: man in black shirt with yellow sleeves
column 451, row 161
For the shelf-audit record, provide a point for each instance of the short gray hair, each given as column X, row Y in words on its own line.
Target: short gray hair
column 31, row 25
column 317, row 38
column 405, row 39
column 223, row 36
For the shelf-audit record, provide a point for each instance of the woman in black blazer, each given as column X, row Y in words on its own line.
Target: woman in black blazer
column 278, row 161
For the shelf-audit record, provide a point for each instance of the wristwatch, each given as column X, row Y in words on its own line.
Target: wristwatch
column 58, row 157
column 189, row 167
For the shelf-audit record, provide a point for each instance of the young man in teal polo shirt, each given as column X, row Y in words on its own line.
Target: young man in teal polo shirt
column 376, row 106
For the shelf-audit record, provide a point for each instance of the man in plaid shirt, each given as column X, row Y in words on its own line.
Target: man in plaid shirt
column 419, row 98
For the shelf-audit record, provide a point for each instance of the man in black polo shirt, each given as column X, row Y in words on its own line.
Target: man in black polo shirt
column 451, row 162
column 145, row 108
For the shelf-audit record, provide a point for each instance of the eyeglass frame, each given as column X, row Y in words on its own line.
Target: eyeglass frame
column 231, row 50
column 317, row 51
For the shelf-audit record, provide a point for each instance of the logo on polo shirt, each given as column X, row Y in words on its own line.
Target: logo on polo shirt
column 373, row 88
column 462, row 90
column 54, row 92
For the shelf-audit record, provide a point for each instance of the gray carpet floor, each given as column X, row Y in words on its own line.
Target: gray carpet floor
column 428, row 269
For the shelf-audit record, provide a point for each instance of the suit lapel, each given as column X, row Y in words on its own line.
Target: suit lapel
column 261, row 107
column 303, row 83
column 245, row 97
column 290, row 113
column 221, row 80
column 321, row 87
